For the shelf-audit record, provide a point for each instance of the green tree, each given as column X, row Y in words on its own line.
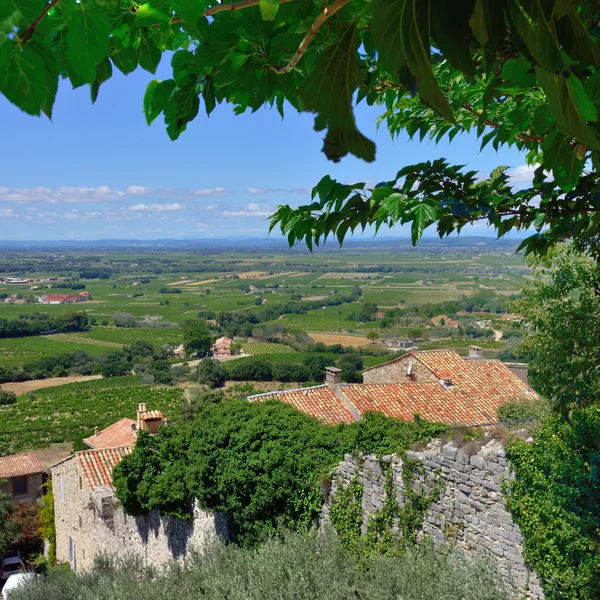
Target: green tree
column 8, row 526
column 210, row 373
column 518, row 73
column 372, row 335
column 560, row 309
column 196, row 337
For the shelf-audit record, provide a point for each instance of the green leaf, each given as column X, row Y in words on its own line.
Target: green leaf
column 423, row 214
column 103, row 73
column 577, row 41
column 29, row 10
column 87, row 40
column 268, row 9
column 149, row 56
column 148, row 15
column 562, row 160
column 189, row 10
column 156, row 97
column 570, row 106
column 50, row 87
column 487, row 23
column 537, row 29
column 181, row 108
column 328, row 91
column 401, row 34
column 23, row 77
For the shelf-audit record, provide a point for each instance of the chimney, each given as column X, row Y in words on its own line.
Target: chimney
column 141, row 409
column 96, row 431
column 475, row 352
column 333, row 375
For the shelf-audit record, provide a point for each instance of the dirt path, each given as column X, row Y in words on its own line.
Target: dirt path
column 498, row 335
column 23, row 387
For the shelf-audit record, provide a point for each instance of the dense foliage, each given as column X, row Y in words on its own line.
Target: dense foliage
column 43, row 324
column 196, row 337
column 554, row 500
column 292, row 567
column 560, row 309
column 259, row 462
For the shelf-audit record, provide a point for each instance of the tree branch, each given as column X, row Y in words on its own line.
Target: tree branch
column 327, row 12
column 230, row 6
column 28, row 33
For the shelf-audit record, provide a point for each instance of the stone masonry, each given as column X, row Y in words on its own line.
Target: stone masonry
column 92, row 523
column 395, row 371
column 470, row 512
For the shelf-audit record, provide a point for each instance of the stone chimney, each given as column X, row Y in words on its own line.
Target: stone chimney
column 333, row 376
column 141, row 409
column 96, row 431
column 475, row 352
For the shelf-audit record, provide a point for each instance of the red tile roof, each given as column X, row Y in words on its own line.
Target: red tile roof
column 476, row 389
column 151, row 415
column 318, row 401
column 117, row 434
column 97, row 465
column 18, row 465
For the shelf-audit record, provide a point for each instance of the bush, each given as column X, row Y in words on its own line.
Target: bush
column 524, row 409
column 287, row 373
column 554, row 500
column 287, row 567
column 254, row 369
column 7, row 398
column 259, row 462
column 122, row 319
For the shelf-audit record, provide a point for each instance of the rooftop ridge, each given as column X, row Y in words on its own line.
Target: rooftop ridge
column 277, row 392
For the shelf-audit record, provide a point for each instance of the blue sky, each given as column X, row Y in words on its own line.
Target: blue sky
column 100, row 172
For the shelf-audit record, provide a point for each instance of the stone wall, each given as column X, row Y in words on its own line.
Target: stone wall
column 34, row 488
column 470, row 512
column 96, row 524
column 395, row 372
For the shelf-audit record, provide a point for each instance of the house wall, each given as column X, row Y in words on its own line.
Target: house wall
column 395, row 372
column 97, row 524
column 470, row 512
column 34, row 488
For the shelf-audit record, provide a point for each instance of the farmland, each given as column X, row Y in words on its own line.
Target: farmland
column 259, row 348
column 70, row 412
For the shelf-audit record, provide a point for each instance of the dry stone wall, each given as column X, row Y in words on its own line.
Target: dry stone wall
column 470, row 512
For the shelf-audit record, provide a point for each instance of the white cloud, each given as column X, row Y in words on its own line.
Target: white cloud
column 252, row 210
column 522, row 173
column 8, row 212
column 262, row 191
column 218, row 191
column 157, row 207
column 151, row 230
column 138, row 190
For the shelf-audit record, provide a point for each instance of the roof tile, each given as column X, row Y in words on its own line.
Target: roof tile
column 117, row 434
column 98, row 465
column 18, row 465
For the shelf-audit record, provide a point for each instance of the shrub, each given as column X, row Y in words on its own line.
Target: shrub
column 290, row 566
column 254, row 369
column 7, row 398
column 524, row 409
column 210, row 373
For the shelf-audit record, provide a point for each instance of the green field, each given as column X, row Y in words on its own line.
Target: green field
column 259, row 348
column 70, row 412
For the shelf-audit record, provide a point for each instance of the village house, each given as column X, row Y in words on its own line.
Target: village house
column 21, row 477
column 90, row 521
column 63, row 298
column 222, row 347
column 444, row 321
column 437, row 385
column 124, row 432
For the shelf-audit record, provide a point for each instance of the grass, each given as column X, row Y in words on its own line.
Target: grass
column 260, row 348
column 70, row 412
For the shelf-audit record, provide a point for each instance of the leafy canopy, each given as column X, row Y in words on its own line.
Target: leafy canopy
column 520, row 73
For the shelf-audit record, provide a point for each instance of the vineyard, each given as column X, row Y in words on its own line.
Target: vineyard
column 70, row 412
column 257, row 348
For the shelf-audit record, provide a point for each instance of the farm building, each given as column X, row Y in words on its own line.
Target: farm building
column 222, row 347
column 21, row 477
column 444, row 321
column 63, row 298
column 438, row 385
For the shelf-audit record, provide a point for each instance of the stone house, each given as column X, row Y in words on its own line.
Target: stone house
column 222, row 347
column 21, row 477
column 437, row 385
column 90, row 521
column 444, row 321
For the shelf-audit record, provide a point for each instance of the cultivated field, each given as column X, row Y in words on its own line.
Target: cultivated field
column 336, row 338
column 258, row 348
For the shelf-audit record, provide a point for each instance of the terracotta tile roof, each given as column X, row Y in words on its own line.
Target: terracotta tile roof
column 117, row 434
column 97, row 465
column 151, row 415
column 319, row 402
column 475, row 390
column 18, row 465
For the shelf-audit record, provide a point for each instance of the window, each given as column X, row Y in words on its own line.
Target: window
column 62, row 489
column 19, row 486
column 79, row 521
